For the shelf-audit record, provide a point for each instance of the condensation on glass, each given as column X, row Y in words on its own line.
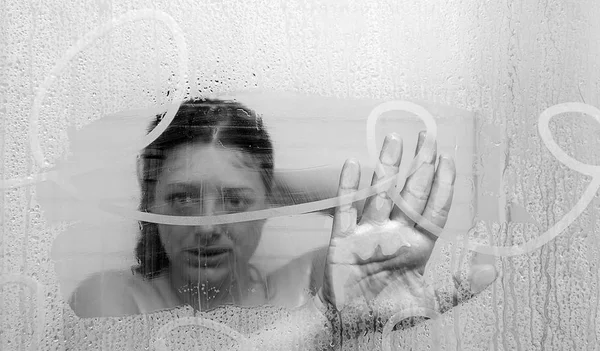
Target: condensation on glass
column 80, row 85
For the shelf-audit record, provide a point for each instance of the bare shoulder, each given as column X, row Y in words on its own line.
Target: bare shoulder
column 105, row 294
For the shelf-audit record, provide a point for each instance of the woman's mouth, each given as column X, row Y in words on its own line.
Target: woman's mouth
column 208, row 256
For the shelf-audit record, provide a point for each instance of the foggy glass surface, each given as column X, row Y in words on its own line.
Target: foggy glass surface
column 80, row 83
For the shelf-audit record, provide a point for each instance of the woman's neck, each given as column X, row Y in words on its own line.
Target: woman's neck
column 204, row 295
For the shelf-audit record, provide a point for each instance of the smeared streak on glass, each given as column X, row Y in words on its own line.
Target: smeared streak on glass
column 564, row 158
column 397, row 105
column 160, row 344
column 386, row 185
column 416, row 311
column 88, row 40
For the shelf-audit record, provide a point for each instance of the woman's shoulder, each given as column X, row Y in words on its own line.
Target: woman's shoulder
column 105, row 294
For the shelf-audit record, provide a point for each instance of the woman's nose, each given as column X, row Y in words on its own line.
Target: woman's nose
column 208, row 232
column 209, row 206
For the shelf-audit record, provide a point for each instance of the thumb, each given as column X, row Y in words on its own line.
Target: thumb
column 481, row 274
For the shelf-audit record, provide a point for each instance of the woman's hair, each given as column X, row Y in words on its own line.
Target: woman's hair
column 225, row 123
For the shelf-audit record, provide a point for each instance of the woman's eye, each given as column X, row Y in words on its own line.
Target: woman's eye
column 184, row 199
column 236, row 202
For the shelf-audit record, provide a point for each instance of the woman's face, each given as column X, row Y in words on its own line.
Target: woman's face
column 204, row 180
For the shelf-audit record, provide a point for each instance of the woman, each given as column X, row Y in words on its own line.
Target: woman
column 216, row 158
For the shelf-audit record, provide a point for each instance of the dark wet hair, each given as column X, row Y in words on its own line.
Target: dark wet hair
column 227, row 123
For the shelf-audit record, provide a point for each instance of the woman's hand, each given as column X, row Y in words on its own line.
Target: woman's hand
column 376, row 261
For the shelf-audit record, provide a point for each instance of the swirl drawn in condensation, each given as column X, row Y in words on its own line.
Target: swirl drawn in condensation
column 565, row 159
column 160, row 339
column 424, row 154
column 36, row 288
column 388, row 184
column 30, row 180
column 228, row 218
column 397, row 105
column 386, row 335
column 88, row 40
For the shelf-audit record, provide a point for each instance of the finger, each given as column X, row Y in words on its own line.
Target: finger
column 417, row 187
column 466, row 286
column 482, row 272
column 420, row 142
column 379, row 206
column 344, row 219
column 440, row 198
